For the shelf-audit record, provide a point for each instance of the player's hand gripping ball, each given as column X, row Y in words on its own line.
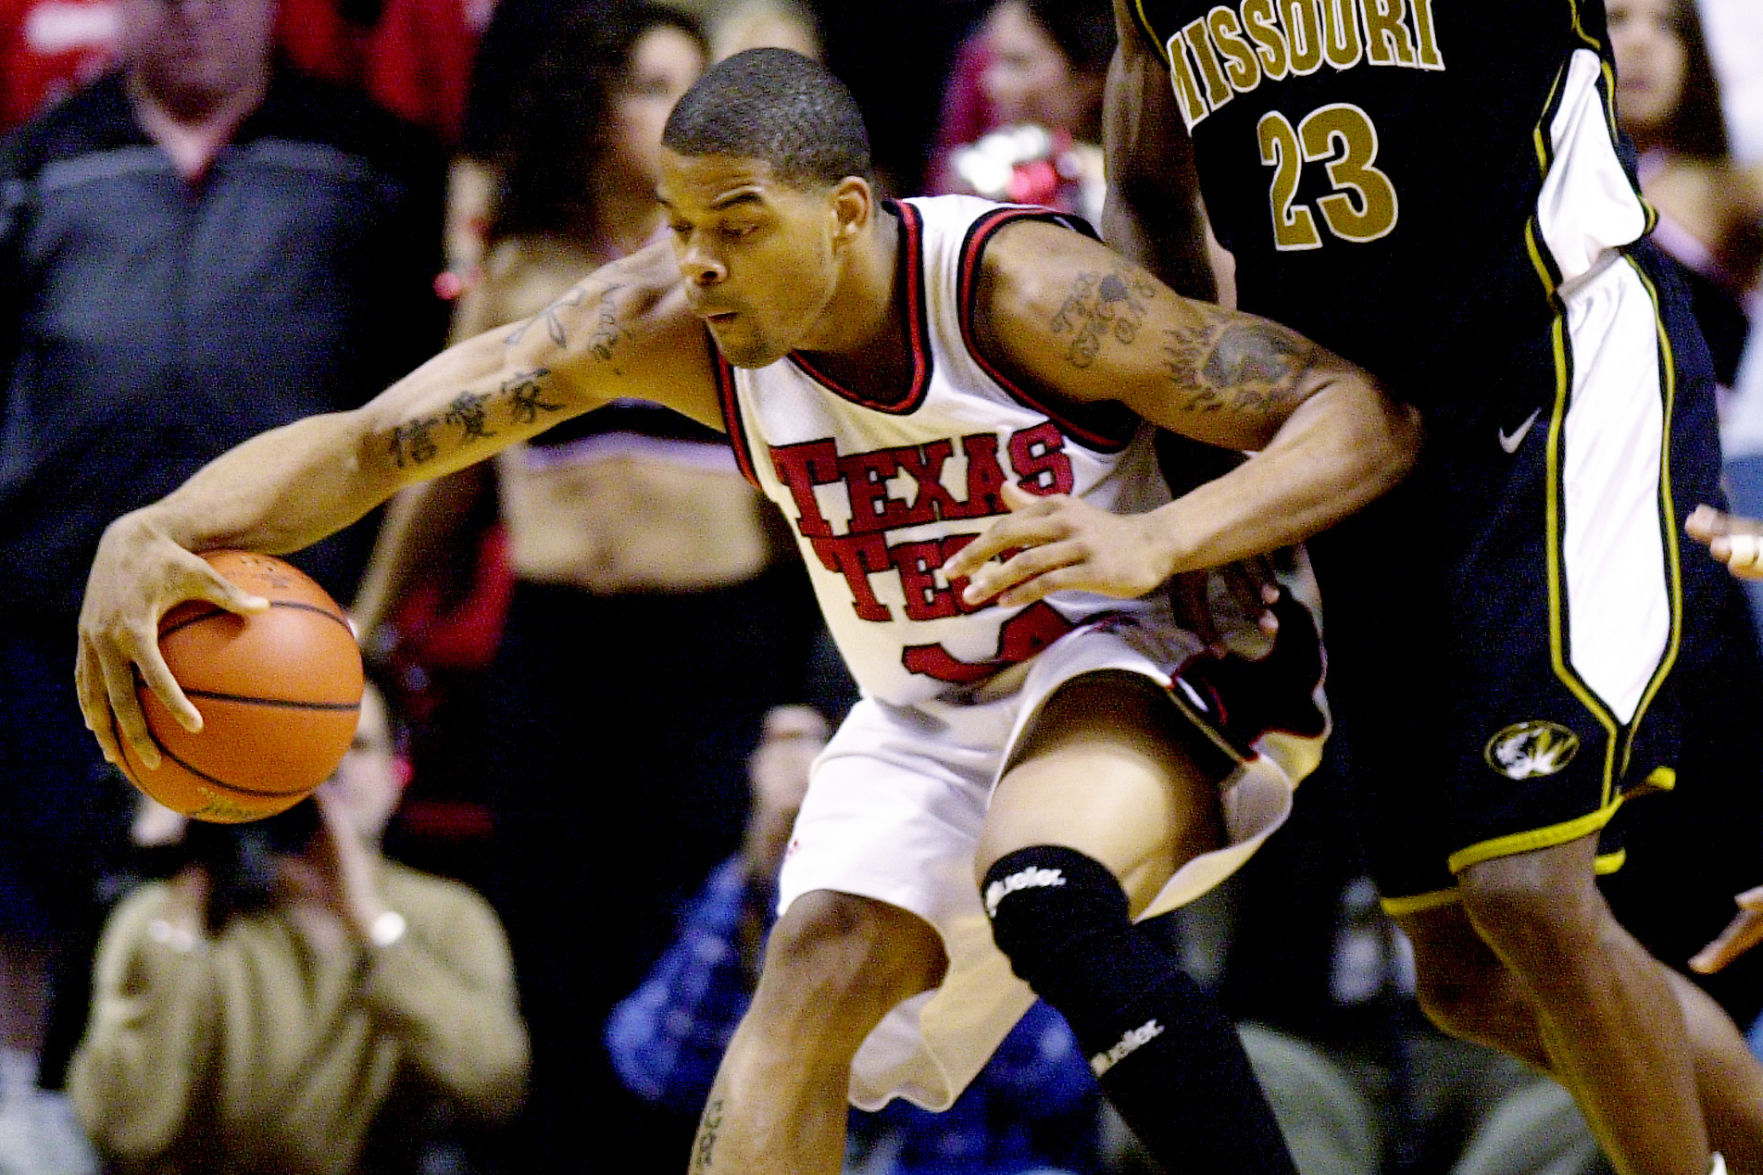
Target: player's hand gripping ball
column 279, row 693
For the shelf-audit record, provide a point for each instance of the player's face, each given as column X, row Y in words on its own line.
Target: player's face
column 1650, row 60
column 759, row 256
column 194, row 52
column 664, row 63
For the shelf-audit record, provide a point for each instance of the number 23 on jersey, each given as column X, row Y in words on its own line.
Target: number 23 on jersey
column 1341, row 138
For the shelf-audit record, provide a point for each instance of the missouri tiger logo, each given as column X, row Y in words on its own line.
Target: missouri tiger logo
column 1527, row 750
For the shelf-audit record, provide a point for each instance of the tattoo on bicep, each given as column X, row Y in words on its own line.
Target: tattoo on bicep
column 1229, row 363
column 601, row 340
column 1100, row 306
column 607, row 330
column 704, row 1148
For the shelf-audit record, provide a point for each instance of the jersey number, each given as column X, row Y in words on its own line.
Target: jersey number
column 1363, row 205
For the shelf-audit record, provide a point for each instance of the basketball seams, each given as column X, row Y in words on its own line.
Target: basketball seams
column 280, row 703
column 255, row 680
column 213, row 611
column 221, row 783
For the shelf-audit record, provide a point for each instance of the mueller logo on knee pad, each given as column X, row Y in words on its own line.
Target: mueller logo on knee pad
column 1135, row 1038
column 1030, row 878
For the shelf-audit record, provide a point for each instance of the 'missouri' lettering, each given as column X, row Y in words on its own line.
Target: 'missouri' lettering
column 1233, row 49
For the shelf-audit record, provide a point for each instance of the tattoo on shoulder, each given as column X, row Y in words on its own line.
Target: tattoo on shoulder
column 1099, row 306
column 467, row 418
column 1247, row 366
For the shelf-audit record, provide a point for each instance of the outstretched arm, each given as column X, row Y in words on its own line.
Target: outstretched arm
column 1065, row 316
column 623, row 331
column 1153, row 213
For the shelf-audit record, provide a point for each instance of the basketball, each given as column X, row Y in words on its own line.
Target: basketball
column 279, row 694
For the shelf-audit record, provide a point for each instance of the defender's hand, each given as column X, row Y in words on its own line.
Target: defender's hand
column 1229, row 607
column 1741, row 934
column 1736, row 542
column 1060, row 543
column 138, row 576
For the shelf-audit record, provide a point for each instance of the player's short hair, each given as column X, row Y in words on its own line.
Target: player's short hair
column 778, row 106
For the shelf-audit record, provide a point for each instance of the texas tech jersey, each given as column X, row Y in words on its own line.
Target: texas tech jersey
column 880, row 493
column 1405, row 181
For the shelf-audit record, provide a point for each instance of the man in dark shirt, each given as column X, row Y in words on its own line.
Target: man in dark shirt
column 199, row 228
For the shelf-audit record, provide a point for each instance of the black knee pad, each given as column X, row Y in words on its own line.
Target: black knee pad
column 1048, row 905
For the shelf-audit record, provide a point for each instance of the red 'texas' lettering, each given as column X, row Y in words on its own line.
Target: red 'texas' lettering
column 1037, row 458
column 1019, row 638
column 1037, row 455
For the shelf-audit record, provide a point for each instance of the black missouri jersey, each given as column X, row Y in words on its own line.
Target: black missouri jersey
column 1406, row 181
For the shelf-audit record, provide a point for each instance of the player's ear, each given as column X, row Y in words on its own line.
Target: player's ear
column 852, row 204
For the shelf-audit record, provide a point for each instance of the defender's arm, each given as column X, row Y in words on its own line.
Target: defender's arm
column 1153, row 212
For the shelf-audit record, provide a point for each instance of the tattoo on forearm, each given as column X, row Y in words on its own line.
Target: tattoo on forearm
column 602, row 339
column 468, row 412
column 1245, row 366
column 526, row 396
column 704, row 1148
column 607, row 331
column 415, row 442
column 1100, row 306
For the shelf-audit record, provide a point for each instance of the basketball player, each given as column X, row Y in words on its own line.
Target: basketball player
column 1437, row 192
column 905, row 381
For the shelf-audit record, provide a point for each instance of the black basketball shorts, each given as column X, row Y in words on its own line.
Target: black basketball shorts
column 1502, row 629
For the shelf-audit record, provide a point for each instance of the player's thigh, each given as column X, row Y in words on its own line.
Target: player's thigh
column 1106, row 769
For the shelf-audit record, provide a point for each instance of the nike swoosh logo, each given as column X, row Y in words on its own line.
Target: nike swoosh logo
column 1511, row 441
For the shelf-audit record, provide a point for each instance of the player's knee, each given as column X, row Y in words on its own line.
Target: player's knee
column 840, row 958
column 1530, row 909
column 1455, row 1003
column 1048, row 904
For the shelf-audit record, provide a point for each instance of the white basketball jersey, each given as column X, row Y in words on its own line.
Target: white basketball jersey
column 880, row 493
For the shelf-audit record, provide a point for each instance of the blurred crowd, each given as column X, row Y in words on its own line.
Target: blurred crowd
column 484, row 948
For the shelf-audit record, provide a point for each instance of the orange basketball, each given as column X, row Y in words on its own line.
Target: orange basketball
column 279, row 694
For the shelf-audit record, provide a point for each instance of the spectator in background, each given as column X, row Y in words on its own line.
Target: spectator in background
column 292, row 1001
column 646, row 586
column 1668, row 101
column 194, row 248
column 735, row 25
column 1035, row 1107
column 1710, row 212
column 1027, row 93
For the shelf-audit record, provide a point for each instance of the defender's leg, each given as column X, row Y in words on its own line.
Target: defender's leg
column 1468, row 992
column 1605, row 1011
